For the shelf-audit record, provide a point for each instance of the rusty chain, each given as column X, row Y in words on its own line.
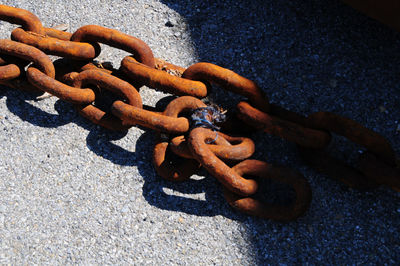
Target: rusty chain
column 191, row 134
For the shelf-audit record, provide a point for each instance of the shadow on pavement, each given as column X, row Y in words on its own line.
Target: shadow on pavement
column 311, row 56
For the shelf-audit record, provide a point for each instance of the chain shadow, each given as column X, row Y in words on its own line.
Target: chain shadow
column 162, row 194
column 200, row 197
column 17, row 104
column 98, row 140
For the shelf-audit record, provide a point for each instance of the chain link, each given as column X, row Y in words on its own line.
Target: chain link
column 161, row 80
column 188, row 137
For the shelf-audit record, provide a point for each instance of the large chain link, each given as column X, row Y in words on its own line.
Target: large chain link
column 188, row 134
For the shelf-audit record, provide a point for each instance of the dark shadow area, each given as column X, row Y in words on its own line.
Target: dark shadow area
column 311, row 56
column 295, row 48
column 99, row 141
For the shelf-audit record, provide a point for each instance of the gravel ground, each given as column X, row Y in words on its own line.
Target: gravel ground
column 73, row 193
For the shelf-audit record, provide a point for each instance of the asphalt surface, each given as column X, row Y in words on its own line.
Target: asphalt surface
column 73, row 193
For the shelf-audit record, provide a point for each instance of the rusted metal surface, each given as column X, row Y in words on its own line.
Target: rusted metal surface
column 181, row 105
column 167, row 122
column 228, row 80
column 180, row 146
column 336, row 169
column 168, row 67
column 132, row 115
column 380, row 172
column 64, row 92
column 180, row 169
column 283, row 213
column 27, row 52
column 161, row 80
column 352, row 130
column 223, row 146
column 288, row 115
column 54, row 46
column 101, row 118
column 8, row 72
column 197, row 140
column 355, row 132
column 117, row 39
column 285, row 129
column 108, row 82
column 386, row 11
column 26, row 19
column 58, row 34
column 91, row 65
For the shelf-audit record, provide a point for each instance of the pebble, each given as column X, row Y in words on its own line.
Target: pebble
column 333, row 83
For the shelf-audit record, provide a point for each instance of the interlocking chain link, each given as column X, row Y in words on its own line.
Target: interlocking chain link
column 190, row 133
